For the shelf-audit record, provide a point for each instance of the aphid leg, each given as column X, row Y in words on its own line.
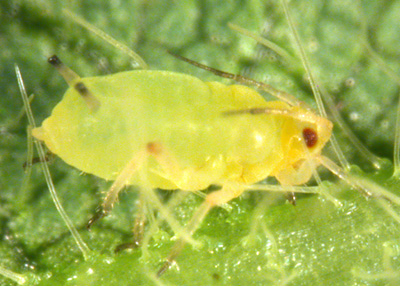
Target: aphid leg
column 294, row 176
column 282, row 95
column 169, row 165
column 121, row 181
column 123, row 246
column 228, row 192
column 47, row 158
column 340, row 173
column 140, row 222
column 291, row 197
column 176, row 199
column 75, row 81
column 368, row 188
column 138, row 228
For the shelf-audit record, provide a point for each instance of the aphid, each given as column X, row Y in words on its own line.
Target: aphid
column 180, row 133
column 246, row 113
column 160, row 129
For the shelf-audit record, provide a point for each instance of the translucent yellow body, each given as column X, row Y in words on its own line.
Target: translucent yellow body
column 188, row 117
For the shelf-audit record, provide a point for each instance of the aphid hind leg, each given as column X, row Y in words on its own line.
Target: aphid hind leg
column 229, row 191
column 291, row 197
column 138, row 228
column 121, row 181
column 140, row 221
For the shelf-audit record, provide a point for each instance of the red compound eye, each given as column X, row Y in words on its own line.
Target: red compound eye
column 310, row 137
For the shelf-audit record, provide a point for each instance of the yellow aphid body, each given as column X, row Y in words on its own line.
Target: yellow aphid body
column 159, row 129
column 172, row 131
column 166, row 130
column 186, row 120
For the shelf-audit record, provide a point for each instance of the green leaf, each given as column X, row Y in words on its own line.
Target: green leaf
column 259, row 239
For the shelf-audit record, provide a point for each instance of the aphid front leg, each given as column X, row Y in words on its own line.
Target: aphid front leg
column 229, row 191
column 49, row 157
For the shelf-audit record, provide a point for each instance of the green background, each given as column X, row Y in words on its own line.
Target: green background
column 314, row 243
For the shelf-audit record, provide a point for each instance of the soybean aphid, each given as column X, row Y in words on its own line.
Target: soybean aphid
column 172, row 131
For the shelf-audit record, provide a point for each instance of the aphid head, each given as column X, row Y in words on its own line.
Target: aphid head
column 306, row 130
column 317, row 134
column 303, row 137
